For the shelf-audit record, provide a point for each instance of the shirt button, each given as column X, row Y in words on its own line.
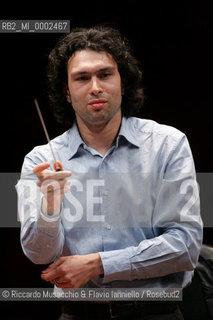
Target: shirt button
column 108, row 227
column 106, row 193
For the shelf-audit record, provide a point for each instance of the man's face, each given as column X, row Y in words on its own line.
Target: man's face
column 94, row 86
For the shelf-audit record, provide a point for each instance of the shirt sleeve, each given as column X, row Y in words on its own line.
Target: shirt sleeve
column 42, row 237
column 177, row 226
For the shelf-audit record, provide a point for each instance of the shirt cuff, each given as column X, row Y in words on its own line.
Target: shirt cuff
column 50, row 218
column 116, row 264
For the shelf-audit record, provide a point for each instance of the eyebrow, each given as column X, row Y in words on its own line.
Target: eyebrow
column 87, row 72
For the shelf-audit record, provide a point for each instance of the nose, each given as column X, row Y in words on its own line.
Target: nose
column 95, row 87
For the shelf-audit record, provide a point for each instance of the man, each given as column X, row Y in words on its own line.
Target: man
column 131, row 215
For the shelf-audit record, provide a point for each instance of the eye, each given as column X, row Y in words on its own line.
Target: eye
column 105, row 75
column 82, row 78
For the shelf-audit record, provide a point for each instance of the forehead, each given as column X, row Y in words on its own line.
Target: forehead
column 90, row 61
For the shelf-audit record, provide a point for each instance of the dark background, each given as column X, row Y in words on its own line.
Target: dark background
column 174, row 45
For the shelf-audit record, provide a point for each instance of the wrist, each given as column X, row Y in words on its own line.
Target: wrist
column 50, row 208
column 96, row 264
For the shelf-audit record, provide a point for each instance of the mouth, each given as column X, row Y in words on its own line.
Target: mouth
column 97, row 103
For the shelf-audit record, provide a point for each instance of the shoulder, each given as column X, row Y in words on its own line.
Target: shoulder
column 42, row 153
column 145, row 130
column 146, row 126
column 165, row 144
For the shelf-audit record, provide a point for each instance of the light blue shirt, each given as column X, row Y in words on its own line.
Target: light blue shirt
column 137, row 206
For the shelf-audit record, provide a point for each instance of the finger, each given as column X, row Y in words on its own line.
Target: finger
column 52, row 175
column 42, row 176
column 51, row 192
column 54, row 265
column 60, row 280
column 59, row 165
column 53, row 271
column 56, row 184
column 65, row 285
column 56, row 187
column 56, row 175
column 41, row 167
column 52, row 275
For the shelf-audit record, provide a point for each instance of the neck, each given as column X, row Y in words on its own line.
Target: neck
column 100, row 137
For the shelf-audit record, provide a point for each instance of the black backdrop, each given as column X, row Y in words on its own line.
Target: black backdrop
column 174, row 45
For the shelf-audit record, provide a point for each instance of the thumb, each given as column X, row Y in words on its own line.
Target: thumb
column 41, row 167
column 58, row 167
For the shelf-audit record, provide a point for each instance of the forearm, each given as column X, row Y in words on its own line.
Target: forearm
column 42, row 234
column 152, row 258
column 42, row 239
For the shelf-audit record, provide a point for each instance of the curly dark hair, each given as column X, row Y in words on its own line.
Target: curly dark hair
column 98, row 38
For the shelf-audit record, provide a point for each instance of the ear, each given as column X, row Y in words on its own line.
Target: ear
column 67, row 92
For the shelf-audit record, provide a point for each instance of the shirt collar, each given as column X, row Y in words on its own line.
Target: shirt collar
column 127, row 130
column 74, row 140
